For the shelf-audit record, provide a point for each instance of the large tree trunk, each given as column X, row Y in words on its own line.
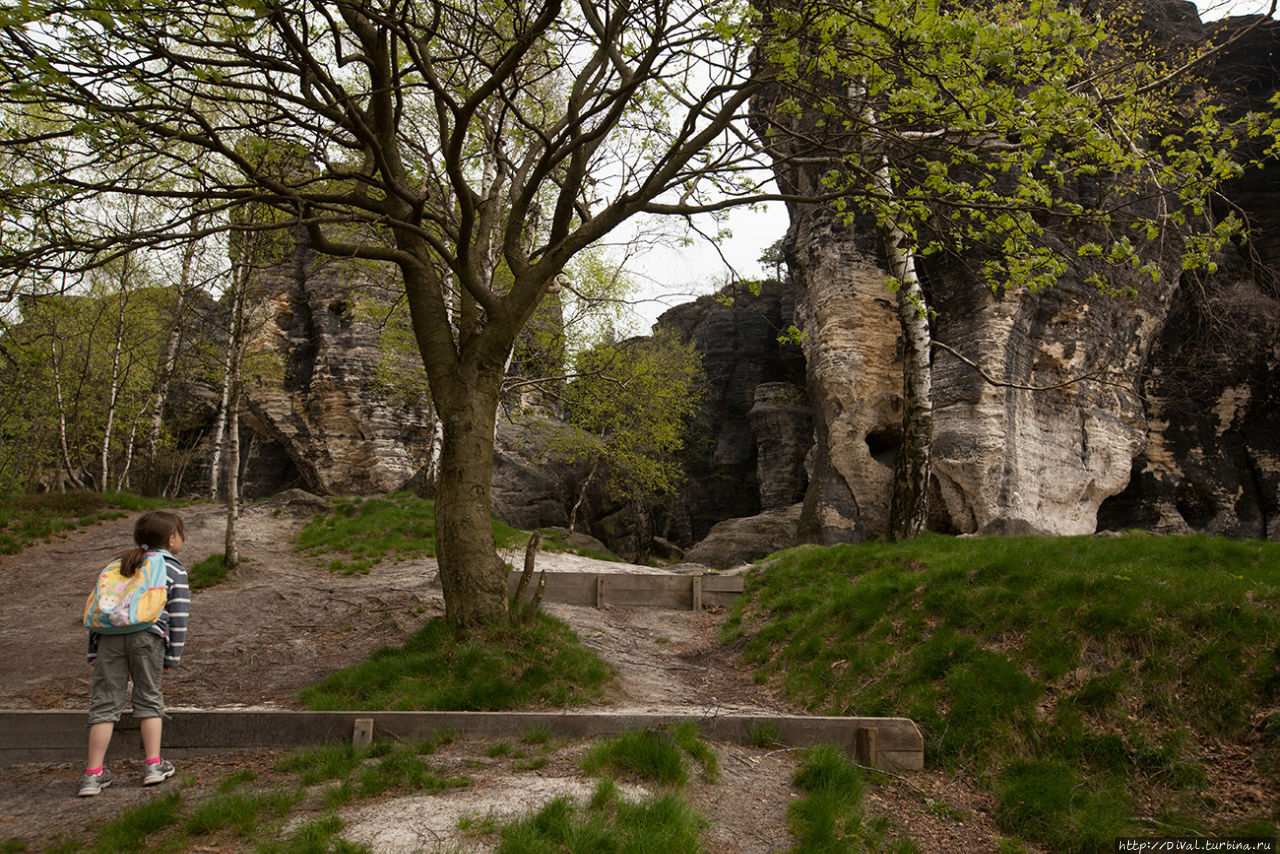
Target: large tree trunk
column 474, row 578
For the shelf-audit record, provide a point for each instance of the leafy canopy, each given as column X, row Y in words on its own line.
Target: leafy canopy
column 991, row 130
column 632, row 402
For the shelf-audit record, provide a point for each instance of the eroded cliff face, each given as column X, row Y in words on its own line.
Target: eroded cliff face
column 1175, row 385
column 854, row 376
column 1039, row 449
column 1212, row 458
column 322, row 402
column 1212, row 391
column 1159, row 411
column 1006, row 458
column 755, row 430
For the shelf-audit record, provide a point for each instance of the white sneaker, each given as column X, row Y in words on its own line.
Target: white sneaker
column 92, row 784
column 158, row 773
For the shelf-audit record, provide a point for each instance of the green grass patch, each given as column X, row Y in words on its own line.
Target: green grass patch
column 688, row 738
column 473, row 825
column 361, row 532
column 133, row 829
column 765, row 734
column 830, row 815
column 653, row 755
column 1069, row 674
column 208, row 572
column 608, row 823
column 241, row 812
column 539, row 664
column 315, row 837
column 531, row 764
column 403, row 770
column 28, row 519
column 1049, row 801
column 368, row 772
column 250, row 818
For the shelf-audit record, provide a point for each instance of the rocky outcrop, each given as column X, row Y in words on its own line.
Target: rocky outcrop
column 1212, row 390
column 1211, row 462
column 1159, row 411
column 1076, row 385
column 323, row 404
column 737, row 541
column 782, row 422
column 1038, row 456
column 1006, row 458
column 851, row 349
column 737, row 334
column 531, row 488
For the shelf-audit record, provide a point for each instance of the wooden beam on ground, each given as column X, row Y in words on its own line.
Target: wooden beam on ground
column 635, row 590
column 891, row 744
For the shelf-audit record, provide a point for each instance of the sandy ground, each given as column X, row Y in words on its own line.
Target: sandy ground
column 282, row 622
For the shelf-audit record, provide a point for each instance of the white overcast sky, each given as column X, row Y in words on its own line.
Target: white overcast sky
column 670, row 276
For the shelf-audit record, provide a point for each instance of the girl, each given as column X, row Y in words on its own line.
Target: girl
column 142, row 656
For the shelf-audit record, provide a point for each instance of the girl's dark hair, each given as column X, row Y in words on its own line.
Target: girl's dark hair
column 152, row 531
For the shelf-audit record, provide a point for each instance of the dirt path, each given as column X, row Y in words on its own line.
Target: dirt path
column 282, row 623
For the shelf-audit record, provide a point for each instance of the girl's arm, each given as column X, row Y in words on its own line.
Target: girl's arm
column 179, row 607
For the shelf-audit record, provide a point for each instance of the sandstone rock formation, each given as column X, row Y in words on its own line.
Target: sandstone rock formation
column 736, row 333
column 738, row 541
column 337, row 411
column 531, row 489
column 1009, row 459
column 1212, row 388
column 851, row 349
column 1174, row 426
column 322, row 407
column 782, row 422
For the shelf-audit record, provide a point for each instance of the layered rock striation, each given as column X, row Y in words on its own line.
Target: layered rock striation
column 1044, row 401
column 1211, row 390
column 755, row 429
column 325, row 404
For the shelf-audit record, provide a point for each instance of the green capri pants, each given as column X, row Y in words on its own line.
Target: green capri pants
column 138, row 656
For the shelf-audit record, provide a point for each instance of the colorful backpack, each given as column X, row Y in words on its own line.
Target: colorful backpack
column 121, row 604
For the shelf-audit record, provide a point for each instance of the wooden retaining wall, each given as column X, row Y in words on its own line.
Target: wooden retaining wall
column 634, row 590
column 891, row 744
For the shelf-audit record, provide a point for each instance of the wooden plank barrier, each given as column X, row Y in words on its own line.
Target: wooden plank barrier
column 891, row 744
column 635, row 590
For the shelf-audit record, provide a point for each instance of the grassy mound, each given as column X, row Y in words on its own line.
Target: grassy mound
column 26, row 519
column 358, row 533
column 363, row 531
column 1082, row 679
column 530, row 665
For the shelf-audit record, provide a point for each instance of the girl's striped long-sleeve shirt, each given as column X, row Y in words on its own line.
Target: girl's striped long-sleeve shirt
column 172, row 625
